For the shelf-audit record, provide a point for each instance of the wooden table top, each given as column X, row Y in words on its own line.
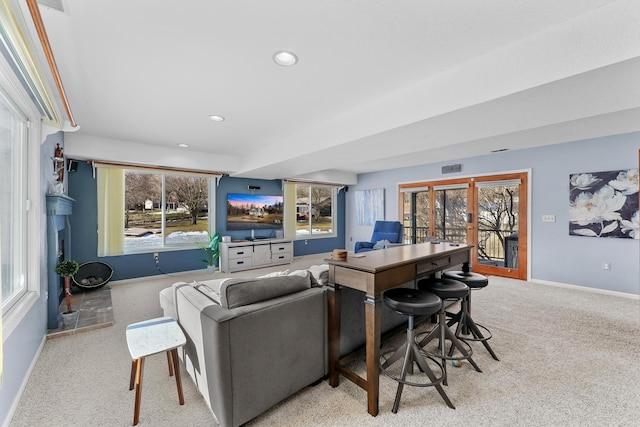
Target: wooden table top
column 384, row 259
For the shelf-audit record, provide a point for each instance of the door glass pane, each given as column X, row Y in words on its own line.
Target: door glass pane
column 422, row 204
column 498, row 208
column 450, row 215
column 416, row 216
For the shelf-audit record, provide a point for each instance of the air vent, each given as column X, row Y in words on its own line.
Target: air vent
column 452, row 168
column 52, row 4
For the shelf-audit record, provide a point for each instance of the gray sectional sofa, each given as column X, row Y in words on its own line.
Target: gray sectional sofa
column 253, row 342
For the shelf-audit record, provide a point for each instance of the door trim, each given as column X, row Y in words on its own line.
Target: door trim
column 527, row 181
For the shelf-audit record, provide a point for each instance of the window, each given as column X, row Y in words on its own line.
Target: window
column 315, row 210
column 153, row 210
column 13, row 193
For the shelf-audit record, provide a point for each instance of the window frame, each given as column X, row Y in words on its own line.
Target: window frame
column 211, row 208
column 334, row 198
column 34, row 229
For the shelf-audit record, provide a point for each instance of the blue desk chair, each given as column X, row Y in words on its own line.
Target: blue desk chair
column 382, row 230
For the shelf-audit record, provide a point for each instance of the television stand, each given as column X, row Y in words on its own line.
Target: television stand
column 238, row 256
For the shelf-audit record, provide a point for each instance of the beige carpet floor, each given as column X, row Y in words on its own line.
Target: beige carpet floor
column 567, row 358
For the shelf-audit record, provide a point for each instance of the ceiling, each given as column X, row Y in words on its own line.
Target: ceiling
column 379, row 84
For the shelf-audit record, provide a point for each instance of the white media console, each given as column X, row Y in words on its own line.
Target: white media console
column 245, row 255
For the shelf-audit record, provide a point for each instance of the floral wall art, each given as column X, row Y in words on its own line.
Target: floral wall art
column 604, row 204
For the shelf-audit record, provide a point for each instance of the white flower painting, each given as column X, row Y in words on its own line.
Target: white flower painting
column 604, row 204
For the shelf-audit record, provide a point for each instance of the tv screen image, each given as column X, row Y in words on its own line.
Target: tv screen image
column 254, row 211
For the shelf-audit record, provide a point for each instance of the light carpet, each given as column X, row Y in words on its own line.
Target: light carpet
column 568, row 357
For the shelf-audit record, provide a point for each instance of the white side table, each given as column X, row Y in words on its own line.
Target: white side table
column 152, row 337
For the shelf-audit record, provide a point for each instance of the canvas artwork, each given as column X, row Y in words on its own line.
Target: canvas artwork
column 604, row 204
column 369, row 206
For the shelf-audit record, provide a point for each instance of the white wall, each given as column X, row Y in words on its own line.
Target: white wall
column 555, row 256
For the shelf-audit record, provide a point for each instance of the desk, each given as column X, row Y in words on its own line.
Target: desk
column 373, row 274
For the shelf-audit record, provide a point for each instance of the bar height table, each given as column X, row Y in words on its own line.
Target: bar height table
column 374, row 273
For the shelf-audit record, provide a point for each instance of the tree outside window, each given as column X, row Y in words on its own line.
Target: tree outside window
column 164, row 210
column 314, row 210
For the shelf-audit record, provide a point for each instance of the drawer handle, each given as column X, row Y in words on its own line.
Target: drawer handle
column 435, row 264
column 281, row 257
column 281, row 249
column 240, row 253
column 240, row 262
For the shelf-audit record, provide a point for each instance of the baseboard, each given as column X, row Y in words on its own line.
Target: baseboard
column 587, row 289
column 25, row 380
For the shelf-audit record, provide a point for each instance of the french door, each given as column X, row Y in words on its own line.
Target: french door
column 488, row 212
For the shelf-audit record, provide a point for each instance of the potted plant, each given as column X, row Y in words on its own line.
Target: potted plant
column 211, row 250
column 66, row 269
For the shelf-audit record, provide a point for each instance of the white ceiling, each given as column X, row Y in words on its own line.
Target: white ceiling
column 379, row 85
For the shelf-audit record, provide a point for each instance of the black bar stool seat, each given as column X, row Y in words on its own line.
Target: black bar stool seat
column 450, row 290
column 471, row 279
column 412, row 302
column 467, row 328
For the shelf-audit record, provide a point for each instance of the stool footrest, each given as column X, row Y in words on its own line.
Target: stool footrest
column 474, row 336
column 385, row 371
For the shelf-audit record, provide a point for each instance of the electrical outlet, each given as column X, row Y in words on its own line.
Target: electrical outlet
column 606, row 266
column 548, row 218
column 156, row 257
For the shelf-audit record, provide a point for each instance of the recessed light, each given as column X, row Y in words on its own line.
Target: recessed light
column 216, row 118
column 183, row 145
column 285, row 58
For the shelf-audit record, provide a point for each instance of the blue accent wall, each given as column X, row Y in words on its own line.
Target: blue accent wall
column 84, row 226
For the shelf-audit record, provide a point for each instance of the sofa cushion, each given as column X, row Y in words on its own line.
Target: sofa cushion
column 238, row 292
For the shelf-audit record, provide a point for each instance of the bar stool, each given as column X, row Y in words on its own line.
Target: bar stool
column 467, row 328
column 447, row 290
column 412, row 302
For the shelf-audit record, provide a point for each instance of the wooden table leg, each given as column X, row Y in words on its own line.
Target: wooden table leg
column 132, row 378
column 373, row 311
column 333, row 301
column 176, row 369
column 170, row 363
column 136, row 409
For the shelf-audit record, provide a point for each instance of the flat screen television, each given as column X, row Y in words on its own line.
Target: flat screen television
column 254, row 212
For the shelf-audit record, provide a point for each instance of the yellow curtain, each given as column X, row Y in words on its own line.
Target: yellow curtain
column 110, row 183
column 289, row 210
